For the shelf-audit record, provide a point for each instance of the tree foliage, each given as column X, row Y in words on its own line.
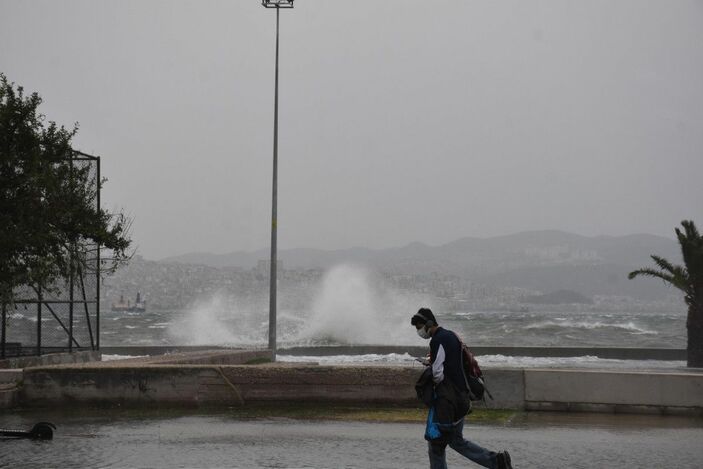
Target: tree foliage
column 48, row 210
column 687, row 278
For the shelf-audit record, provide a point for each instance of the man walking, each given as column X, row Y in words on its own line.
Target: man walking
column 451, row 401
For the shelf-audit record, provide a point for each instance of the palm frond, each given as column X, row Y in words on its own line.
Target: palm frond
column 691, row 249
column 690, row 229
column 663, row 264
column 687, row 278
column 678, row 278
column 651, row 273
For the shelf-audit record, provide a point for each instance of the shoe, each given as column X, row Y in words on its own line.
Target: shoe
column 503, row 460
column 508, row 462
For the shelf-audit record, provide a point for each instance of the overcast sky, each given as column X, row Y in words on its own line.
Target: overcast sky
column 400, row 120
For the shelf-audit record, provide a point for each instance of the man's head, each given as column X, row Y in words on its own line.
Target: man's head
column 424, row 322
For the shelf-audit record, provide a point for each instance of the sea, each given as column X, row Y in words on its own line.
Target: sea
column 211, row 324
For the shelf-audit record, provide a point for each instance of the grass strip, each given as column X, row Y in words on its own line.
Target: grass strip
column 369, row 413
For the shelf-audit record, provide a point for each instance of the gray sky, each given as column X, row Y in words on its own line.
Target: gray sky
column 400, row 120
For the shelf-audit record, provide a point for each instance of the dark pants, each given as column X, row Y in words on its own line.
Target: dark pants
column 451, row 405
column 455, row 440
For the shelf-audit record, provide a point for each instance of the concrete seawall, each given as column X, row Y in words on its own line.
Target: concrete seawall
column 231, row 385
column 608, row 391
column 193, row 385
column 83, row 356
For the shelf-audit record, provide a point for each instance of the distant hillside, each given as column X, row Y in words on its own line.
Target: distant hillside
column 559, row 297
column 545, row 261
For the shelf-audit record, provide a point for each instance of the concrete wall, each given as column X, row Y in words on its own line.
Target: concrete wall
column 226, row 385
column 10, row 377
column 51, row 359
column 325, row 383
column 8, row 398
column 507, row 386
column 181, row 385
column 193, row 385
column 610, row 391
column 9, row 380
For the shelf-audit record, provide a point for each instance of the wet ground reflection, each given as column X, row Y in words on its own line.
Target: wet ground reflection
column 160, row 439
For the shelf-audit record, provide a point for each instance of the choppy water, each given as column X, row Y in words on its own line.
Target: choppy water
column 479, row 328
column 533, row 328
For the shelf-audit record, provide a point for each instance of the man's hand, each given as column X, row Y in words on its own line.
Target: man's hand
column 425, row 360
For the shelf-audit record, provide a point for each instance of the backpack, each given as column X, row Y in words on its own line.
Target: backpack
column 473, row 375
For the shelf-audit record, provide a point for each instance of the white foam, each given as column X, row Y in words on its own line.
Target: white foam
column 108, row 357
column 563, row 323
column 490, row 361
column 587, row 361
column 367, row 359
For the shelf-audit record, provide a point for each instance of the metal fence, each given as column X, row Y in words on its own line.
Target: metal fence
column 65, row 317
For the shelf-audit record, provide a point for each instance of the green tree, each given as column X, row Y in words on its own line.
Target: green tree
column 689, row 279
column 48, row 213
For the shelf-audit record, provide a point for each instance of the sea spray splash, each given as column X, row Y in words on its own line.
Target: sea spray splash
column 355, row 306
column 350, row 305
column 213, row 321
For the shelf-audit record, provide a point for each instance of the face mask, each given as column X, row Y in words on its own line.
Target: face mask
column 424, row 333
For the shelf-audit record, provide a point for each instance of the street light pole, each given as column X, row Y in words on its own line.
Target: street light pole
column 277, row 4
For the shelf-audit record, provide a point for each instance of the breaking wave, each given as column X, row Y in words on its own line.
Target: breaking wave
column 353, row 306
column 492, row 361
column 630, row 326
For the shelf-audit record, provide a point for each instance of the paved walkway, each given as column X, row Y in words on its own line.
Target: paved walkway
column 535, row 440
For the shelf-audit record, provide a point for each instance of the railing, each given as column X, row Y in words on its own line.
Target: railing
column 65, row 317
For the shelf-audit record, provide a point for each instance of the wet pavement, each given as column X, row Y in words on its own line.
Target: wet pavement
column 535, row 440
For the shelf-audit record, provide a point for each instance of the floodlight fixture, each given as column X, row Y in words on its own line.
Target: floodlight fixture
column 277, row 3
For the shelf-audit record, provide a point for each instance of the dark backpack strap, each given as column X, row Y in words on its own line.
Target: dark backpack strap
column 463, row 369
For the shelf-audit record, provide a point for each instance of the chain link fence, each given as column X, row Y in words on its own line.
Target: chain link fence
column 66, row 316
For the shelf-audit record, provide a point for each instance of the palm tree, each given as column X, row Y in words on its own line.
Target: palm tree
column 689, row 279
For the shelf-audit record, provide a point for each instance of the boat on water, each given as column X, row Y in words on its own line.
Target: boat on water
column 139, row 305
